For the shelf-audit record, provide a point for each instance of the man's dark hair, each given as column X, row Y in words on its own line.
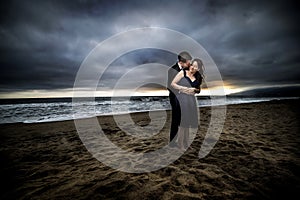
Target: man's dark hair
column 184, row 56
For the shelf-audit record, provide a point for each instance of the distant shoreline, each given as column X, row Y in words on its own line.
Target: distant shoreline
column 147, row 111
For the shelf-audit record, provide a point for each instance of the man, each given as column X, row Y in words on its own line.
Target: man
column 184, row 59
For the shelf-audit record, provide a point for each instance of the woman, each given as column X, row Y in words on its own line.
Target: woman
column 188, row 83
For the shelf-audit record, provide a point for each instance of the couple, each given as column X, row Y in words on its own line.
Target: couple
column 184, row 81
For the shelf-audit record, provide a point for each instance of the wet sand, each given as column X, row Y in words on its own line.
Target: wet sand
column 256, row 157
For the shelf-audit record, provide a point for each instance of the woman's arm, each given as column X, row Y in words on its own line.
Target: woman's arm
column 183, row 89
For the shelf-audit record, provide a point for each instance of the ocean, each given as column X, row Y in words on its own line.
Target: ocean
column 60, row 109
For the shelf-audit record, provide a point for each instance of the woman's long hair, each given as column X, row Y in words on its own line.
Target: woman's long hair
column 199, row 75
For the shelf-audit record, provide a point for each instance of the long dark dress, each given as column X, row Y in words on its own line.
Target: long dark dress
column 188, row 105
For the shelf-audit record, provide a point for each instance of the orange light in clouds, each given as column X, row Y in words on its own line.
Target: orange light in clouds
column 226, row 89
column 104, row 93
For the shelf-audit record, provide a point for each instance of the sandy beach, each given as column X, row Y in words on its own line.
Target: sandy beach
column 256, row 157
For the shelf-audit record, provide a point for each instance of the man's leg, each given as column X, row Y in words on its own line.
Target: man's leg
column 176, row 116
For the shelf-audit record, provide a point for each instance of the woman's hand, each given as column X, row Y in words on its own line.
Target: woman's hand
column 189, row 91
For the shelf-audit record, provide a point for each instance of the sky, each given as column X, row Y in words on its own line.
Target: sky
column 43, row 43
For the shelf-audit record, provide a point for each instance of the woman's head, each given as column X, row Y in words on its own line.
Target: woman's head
column 197, row 68
column 197, row 65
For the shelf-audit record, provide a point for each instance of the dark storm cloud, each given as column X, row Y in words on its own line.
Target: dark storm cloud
column 132, row 60
column 43, row 43
column 256, row 43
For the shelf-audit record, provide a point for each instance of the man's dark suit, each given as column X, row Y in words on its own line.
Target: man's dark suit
column 176, row 114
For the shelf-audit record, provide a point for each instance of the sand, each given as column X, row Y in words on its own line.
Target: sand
column 256, row 157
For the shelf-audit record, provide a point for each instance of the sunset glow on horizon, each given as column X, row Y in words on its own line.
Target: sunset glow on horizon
column 67, row 93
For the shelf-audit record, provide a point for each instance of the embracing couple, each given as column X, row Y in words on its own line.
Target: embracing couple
column 184, row 81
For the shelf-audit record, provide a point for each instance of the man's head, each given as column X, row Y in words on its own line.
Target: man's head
column 184, row 59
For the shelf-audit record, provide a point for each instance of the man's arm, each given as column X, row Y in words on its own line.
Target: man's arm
column 171, row 74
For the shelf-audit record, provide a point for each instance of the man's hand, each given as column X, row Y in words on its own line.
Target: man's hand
column 197, row 90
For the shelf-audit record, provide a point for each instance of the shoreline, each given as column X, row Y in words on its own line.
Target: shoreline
column 147, row 111
column 256, row 157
